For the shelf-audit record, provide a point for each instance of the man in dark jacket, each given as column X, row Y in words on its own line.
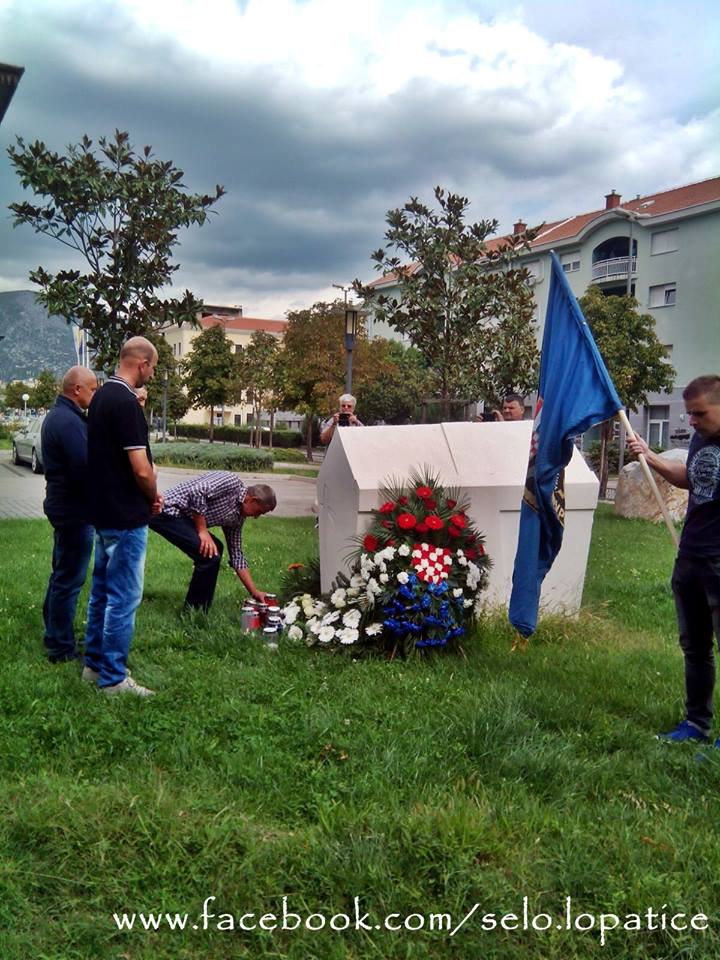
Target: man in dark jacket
column 64, row 452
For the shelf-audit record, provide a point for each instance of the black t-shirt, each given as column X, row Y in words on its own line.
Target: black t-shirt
column 701, row 533
column 116, row 424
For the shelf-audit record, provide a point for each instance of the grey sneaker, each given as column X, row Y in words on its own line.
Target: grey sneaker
column 89, row 675
column 128, row 685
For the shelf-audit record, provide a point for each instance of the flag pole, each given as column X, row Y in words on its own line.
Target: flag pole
column 651, row 480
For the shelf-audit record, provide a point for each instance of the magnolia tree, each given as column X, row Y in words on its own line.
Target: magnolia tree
column 465, row 305
column 119, row 211
column 259, row 377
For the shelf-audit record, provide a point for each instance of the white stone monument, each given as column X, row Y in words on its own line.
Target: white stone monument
column 488, row 462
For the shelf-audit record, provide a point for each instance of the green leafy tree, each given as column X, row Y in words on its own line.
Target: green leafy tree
column 635, row 359
column 14, row 394
column 45, row 391
column 167, row 383
column 456, row 296
column 209, row 370
column 259, row 377
column 314, row 360
column 120, row 211
column 397, row 395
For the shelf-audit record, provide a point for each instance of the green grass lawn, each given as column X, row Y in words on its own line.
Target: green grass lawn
column 420, row 787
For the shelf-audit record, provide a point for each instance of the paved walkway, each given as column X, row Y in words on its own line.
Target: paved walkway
column 22, row 492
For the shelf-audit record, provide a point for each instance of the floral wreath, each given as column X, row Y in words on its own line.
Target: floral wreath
column 415, row 577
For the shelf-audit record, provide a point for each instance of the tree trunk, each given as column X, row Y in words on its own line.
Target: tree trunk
column 308, row 436
column 445, row 405
column 272, row 427
column 212, row 423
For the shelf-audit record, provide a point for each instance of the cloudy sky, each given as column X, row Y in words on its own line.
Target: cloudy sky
column 320, row 115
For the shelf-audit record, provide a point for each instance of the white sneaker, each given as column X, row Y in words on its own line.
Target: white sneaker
column 89, row 675
column 128, row 685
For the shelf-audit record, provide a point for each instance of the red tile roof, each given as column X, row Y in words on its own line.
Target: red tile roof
column 248, row 324
column 654, row 204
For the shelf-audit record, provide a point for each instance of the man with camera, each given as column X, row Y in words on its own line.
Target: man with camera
column 344, row 417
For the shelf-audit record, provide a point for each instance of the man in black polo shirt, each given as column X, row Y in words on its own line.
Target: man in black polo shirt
column 696, row 575
column 124, row 498
column 64, row 451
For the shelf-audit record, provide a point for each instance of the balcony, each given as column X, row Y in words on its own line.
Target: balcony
column 611, row 269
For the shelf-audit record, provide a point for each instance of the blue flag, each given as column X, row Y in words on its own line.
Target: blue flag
column 575, row 393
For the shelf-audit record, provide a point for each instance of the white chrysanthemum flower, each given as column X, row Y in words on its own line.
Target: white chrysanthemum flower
column 460, row 553
column 424, row 546
column 417, row 553
column 356, row 581
column 433, row 556
column 326, row 634
column 403, row 550
column 348, row 635
column 463, row 561
column 330, row 617
column 389, row 553
column 383, row 578
column 402, row 577
column 443, row 574
column 447, row 560
column 467, row 603
column 314, row 626
column 353, row 592
column 295, row 633
column 458, row 592
column 373, row 586
column 338, row 599
column 352, row 617
column 373, row 629
column 290, row 613
column 424, row 564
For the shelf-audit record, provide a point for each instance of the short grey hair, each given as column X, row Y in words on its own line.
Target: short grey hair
column 263, row 494
column 348, row 398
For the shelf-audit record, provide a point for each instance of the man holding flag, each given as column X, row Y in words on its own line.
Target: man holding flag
column 696, row 575
column 575, row 393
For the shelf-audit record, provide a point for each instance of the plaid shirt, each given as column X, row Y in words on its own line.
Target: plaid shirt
column 218, row 497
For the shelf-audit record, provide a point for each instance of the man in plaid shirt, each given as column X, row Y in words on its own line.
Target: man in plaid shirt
column 217, row 499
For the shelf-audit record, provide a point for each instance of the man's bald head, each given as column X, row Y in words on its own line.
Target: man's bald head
column 138, row 359
column 79, row 384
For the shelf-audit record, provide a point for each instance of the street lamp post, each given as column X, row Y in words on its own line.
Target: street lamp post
column 351, row 319
column 25, row 398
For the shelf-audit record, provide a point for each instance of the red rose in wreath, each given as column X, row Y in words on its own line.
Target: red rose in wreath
column 451, row 504
column 423, row 492
column 458, row 520
column 370, row 543
column 406, row 521
column 422, row 527
column 387, row 507
column 434, row 522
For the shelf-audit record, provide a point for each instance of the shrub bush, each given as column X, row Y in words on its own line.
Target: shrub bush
column 232, row 434
column 206, row 456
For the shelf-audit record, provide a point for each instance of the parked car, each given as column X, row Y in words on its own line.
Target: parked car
column 26, row 447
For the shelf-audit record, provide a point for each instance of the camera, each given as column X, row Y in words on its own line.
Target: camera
column 344, row 420
column 487, row 417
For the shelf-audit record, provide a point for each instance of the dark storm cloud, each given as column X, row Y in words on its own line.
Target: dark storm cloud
column 310, row 173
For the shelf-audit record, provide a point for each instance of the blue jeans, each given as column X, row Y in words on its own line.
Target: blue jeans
column 116, row 592
column 72, row 548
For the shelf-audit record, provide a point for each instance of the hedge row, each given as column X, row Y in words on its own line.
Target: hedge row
column 205, row 456
column 200, row 431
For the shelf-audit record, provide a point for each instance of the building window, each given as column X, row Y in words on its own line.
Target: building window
column 665, row 241
column 658, row 426
column 570, row 261
column 663, row 295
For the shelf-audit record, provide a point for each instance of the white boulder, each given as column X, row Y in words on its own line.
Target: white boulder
column 635, row 499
